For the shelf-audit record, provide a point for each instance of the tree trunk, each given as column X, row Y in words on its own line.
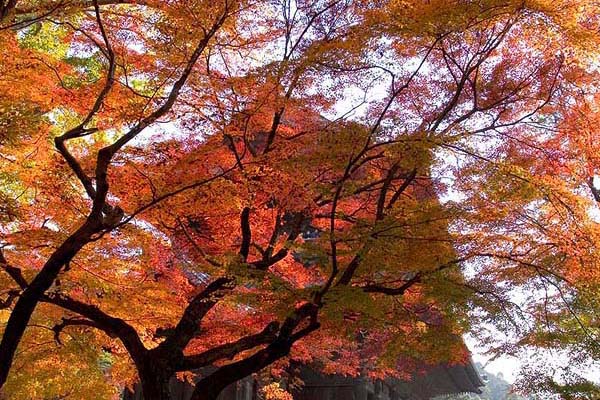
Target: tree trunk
column 154, row 374
column 21, row 314
column 155, row 388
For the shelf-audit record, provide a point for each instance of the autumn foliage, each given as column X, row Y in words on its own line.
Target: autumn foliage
column 243, row 183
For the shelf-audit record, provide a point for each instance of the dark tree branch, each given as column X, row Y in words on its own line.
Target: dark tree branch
column 22, row 24
column 14, row 272
column 12, row 295
column 58, row 328
column 95, row 222
column 81, row 130
column 190, row 239
column 246, row 233
column 277, row 116
column 595, row 191
column 307, row 310
column 273, row 131
column 393, row 291
column 25, row 305
column 399, row 291
column 353, row 266
column 201, row 304
column 274, row 236
column 357, row 160
column 231, row 145
column 380, row 213
column 269, row 259
column 229, row 350
column 211, row 386
column 411, row 177
column 114, row 327
column 320, row 201
column 174, row 193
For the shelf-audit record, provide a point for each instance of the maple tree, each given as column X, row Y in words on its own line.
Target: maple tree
column 237, row 183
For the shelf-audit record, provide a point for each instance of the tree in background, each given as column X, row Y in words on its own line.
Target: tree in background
column 174, row 195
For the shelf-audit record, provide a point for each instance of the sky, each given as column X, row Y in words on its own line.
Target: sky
column 508, row 366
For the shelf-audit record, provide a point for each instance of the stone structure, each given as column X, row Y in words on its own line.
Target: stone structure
column 438, row 381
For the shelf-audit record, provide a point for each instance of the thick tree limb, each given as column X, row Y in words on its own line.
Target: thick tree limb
column 58, row 328
column 246, row 233
column 307, row 310
column 229, row 350
column 351, row 268
column 411, row 177
column 210, row 387
column 95, row 317
column 274, row 236
column 380, row 213
column 21, row 314
column 269, row 259
column 200, row 305
column 115, row 327
column 273, row 131
column 354, row 264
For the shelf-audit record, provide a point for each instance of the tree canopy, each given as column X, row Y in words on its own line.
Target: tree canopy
column 347, row 183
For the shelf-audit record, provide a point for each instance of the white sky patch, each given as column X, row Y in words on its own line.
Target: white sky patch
column 159, row 132
column 507, row 365
column 148, row 227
